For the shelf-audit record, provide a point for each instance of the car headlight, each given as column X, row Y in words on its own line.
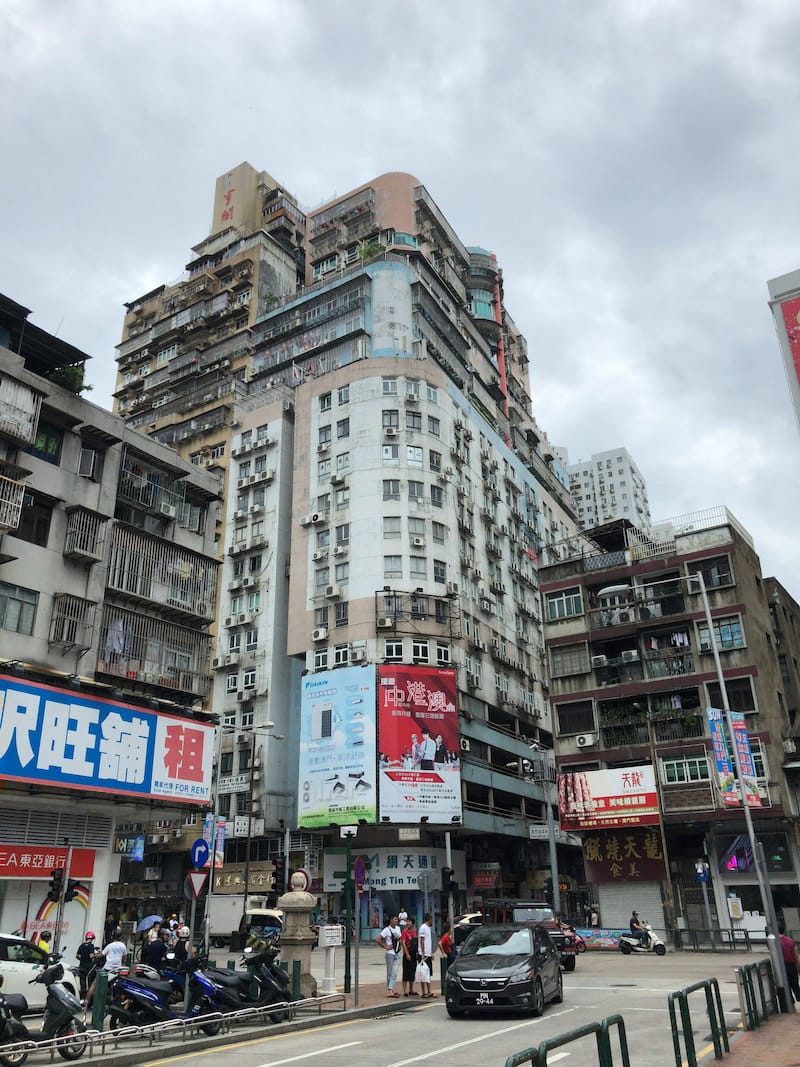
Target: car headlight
column 524, row 974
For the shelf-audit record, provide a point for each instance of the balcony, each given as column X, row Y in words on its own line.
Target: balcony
column 637, row 611
column 19, row 410
column 12, row 491
column 71, row 623
column 83, row 540
column 667, row 664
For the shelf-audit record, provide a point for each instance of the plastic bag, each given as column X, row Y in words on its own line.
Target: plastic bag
column 422, row 973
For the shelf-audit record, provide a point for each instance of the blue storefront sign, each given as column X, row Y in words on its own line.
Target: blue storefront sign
column 63, row 738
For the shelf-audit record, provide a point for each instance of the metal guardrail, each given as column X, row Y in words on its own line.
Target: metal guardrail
column 719, row 1032
column 537, row 1057
column 700, row 938
column 746, row 978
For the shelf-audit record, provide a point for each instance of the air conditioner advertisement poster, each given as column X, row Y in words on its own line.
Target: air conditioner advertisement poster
column 618, row 796
column 419, row 768
column 337, row 748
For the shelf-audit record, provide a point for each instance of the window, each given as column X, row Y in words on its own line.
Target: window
column 342, row 497
column 341, row 573
column 323, row 467
column 342, row 613
column 325, row 266
column 416, row 527
column 343, row 463
column 432, row 393
column 325, row 402
column 322, row 577
column 442, row 612
column 47, row 445
column 685, row 769
column 391, row 417
column 247, row 718
column 226, row 763
column 235, row 641
column 324, row 435
column 564, row 605
column 435, row 461
column 17, row 608
column 419, row 650
column 232, row 683
column 434, row 426
column 439, row 570
column 437, row 496
column 34, row 522
column 344, row 394
column 393, row 649
column 390, row 386
column 416, row 490
column 320, row 659
column 340, row 655
column 727, row 632
column 343, row 428
column 323, row 502
column 393, row 566
column 90, row 463
column 576, row 718
column 242, row 801
column 323, row 538
column 244, row 760
column 391, row 526
column 569, row 659
column 321, row 616
column 438, row 529
column 391, row 455
column 249, row 678
column 442, row 655
column 413, row 420
column 414, row 456
column 251, row 640
column 716, row 572
column 419, row 567
column 740, row 694
column 419, row 607
column 412, row 387
column 217, row 451
column 391, row 488
column 343, row 534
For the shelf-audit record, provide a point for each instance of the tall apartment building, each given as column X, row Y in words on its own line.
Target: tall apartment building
column 606, row 487
column 632, row 676
column 388, row 494
column 107, row 593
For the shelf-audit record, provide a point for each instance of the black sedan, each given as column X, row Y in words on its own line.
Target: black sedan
column 514, row 967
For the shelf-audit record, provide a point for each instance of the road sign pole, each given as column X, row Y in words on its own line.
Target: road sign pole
column 186, row 975
column 358, row 940
column 348, row 912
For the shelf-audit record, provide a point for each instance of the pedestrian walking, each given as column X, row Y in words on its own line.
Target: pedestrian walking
column 426, row 953
column 389, row 940
column 410, row 948
column 791, row 960
column 86, row 962
column 446, row 945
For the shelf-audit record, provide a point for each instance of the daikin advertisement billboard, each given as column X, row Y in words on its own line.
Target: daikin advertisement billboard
column 337, row 748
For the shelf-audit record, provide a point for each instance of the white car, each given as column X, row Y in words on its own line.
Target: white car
column 20, row 961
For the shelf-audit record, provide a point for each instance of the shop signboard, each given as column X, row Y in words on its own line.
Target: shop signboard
column 35, row 861
column 394, row 869
column 131, row 846
column 627, row 854
column 218, row 859
column 419, row 767
column 70, row 740
column 615, row 796
column 337, row 748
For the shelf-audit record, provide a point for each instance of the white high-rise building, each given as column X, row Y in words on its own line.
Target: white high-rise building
column 609, row 486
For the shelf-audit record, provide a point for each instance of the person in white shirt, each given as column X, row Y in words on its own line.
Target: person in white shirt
column 402, row 918
column 389, row 939
column 113, row 956
column 427, row 750
column 426, row 949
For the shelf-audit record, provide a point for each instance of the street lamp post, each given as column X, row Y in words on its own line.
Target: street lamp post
column 543, row 772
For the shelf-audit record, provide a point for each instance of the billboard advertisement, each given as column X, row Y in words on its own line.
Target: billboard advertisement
column 419, row 770
column 68, row 739
column 617, row 796
column 337, row 747
column 726, row 768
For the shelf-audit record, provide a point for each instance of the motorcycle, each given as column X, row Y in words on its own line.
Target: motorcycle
column 60, row 1020
column 652, row 943
column 264, row 983
column 138, row 1001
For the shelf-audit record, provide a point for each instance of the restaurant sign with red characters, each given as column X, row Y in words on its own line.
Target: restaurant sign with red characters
column 626, row 855
column 617, row 796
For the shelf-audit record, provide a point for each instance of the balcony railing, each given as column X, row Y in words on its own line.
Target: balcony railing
column 637, row 611
column 84, row 536
column 19, row 410
column 12, row 492
column 668, row 663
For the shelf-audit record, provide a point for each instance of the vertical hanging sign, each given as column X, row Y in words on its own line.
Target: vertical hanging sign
column 726, row 772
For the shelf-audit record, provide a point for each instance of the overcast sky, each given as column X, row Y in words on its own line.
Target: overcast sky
column 633, row 165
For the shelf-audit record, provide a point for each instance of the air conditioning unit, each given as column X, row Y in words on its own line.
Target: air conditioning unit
column 322, row 449
column 320, row 634
column 390, row 431
column 306, row 520
column 586, row 740
column 242, row 482
column 357, row 655
column 789, row 745
column 230, row 620
column 319, row 555
column 412, row 398
column 319, row 517
column 247, row 582
column 705, row 646
column 340, row 550
column 240, row 514
column 232, row 660
column 463, row 744
column 169, row 511
column 630, row 655
column 256, row 509
column 337, row 479
column 332, row 592
column 599, row 661
column 216, row 663
column 472, row 681
column 452, row 588
column 418, row 542
column 386, row 622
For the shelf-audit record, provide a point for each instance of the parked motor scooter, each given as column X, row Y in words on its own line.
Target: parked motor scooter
column 652, row 942
column 264, row 983
column 138, row 1001
column 60, row 1020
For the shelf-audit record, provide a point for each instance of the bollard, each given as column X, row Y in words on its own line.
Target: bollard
column 295, row 979
column 231, row 965
column 99, row 997
column 442, row 970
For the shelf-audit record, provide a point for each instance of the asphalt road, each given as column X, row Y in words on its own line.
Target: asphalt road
column 604, row 984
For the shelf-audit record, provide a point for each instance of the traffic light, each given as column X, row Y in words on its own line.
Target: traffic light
column 71, row 891
column 56, row 884
column 448, row 885
column 280, row 874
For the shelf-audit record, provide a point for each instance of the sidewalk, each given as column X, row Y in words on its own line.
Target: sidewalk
column 774, row 1044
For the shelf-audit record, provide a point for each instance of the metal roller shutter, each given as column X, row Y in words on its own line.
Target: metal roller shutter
column 618, row 899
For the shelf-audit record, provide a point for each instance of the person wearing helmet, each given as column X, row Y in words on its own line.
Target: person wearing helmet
column 183, row 948
column 86, row 963
column 113, row 957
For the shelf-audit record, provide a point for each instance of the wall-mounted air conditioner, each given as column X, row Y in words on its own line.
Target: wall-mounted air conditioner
column 586, row 740
column 320, row 634
column 463, row 744
column 452, row 588
column 319, row 555
column 630, row 655
column 306, row 520
column 386, row 622
column 417, row 542
column 705, row 646
column 472, row 681
column 168, row 511
column 337, row 479
column 332, row 592
column 599, row 661
column 319, row 517
column 390, row 431
column 340, row 550
column 322, row 449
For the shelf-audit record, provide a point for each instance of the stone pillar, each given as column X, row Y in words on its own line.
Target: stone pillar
column 297, row 938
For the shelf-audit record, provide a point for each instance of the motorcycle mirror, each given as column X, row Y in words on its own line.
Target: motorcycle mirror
column 170, row 956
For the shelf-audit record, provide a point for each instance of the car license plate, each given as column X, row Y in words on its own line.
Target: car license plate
column 483, row 1000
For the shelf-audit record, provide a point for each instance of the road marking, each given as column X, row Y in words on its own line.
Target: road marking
column 475, row 1040
column 558, row 1056
column 246, row 1044
column 308, row 1055
column 708, row 1048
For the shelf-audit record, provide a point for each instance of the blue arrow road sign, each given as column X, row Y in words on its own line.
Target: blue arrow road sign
column 200, row 852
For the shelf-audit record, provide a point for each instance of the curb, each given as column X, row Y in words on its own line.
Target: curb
column 122, row 1057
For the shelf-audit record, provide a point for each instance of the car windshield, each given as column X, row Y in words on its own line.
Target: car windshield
column 497, row 941
column 533, row 915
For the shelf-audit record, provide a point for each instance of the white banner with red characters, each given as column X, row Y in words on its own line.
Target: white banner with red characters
column 418, row 744
column 618, row 796
column 68, row 739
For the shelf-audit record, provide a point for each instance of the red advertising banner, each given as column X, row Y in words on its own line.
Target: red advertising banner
column 618, row 796
column 33, row 861
column 418, row 744
column 790, row 309
column 628, row 855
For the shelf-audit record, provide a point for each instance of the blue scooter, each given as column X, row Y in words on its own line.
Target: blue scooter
column 265, row 982
column 139, row 1001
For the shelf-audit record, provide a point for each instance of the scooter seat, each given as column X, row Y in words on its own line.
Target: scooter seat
column 152, row 984
column 16, row 1003
column 227, row 979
